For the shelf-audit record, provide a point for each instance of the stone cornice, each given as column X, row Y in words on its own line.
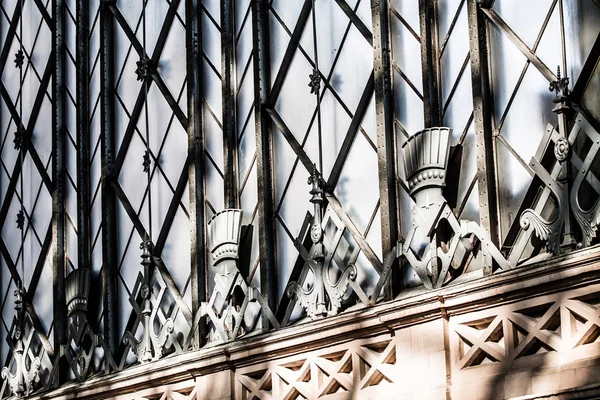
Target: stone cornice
column 411, row 307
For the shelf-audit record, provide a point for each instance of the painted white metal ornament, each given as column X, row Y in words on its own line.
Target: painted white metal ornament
column 323, row 297
column 27, row 371
column 229, row 300
column 425, row 161
column 151, row 345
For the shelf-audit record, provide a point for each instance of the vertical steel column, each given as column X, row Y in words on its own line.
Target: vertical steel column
column 2, row 262
column 196, row 167
column 386, row 142
column 83, row 136
column 109, row 219
column 229, row 120
column 429, row 62
column 58, row 195
column 264, row 155
column 482, row 116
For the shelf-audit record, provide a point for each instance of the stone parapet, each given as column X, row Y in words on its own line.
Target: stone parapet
column 532, row 331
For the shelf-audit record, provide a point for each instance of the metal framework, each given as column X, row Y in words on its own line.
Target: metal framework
column 267, row 94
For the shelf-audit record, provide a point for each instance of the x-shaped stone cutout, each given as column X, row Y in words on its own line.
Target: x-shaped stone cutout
column 536, row 331
column 591, row 326
column 479, row 342
column 378, row 363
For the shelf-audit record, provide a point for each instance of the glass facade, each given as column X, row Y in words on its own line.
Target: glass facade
column 128, row 121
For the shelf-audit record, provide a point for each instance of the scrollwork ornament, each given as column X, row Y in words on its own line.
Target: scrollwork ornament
column 338, row 290
column 548, row 231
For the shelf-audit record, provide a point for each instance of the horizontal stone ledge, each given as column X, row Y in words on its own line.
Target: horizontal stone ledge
column 413, row 306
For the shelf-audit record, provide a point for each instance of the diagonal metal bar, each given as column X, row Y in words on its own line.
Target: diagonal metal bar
column 45, row 15
column 172, row 210
column 174, row 290
column 298, row 274
column 362, row 28
column 128, row 135
column 31, row 124
column 159, row 46
column 139, row 104
column 352, row 131
column 527, row 52
column 287, row 133
column 451, row 27
column 500, row 123
column 139, row 227
column 405, row 23
column 289, row 53
column 10, row 35
column 39, row 327
column 10, row 265
column 160, row 84
column 356, row 235
column 131, row 213
column 39, row 266
column 396, row 68
column 455, row 85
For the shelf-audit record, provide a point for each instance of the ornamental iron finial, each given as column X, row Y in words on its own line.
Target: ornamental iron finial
column 151, row 346
column 323, row 298
column 27, row 370
column 561, row 87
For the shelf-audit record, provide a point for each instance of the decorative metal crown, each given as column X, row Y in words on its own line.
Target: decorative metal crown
column 224, row 230
column 77, row 290
column 426, row 158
